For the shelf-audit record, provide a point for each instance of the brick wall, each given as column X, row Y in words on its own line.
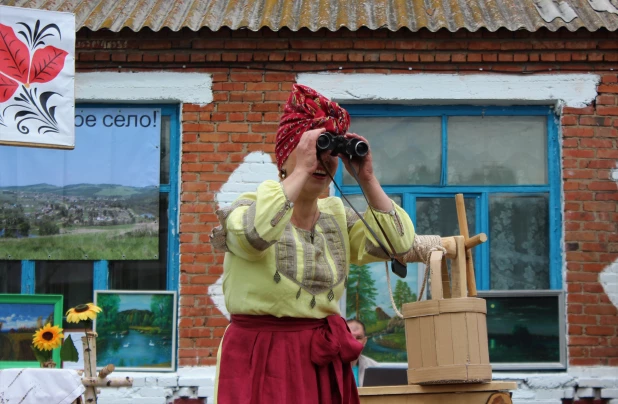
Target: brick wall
column 252, row 74
column 590, row 153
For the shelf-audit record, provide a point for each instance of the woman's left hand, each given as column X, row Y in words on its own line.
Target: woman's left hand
column 362, row 165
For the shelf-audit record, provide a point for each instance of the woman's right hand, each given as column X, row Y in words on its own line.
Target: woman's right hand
column 306, row 152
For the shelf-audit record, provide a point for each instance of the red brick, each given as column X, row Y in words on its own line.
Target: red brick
column 612, row 88
column 563, row 57
column 248, row 138
column 602, row 186
column 264, row 128
column 593, row 247
column 607, row 154
column 584, row 362
column 580, row 319
column 609, row 78
column 606, row 320
column 601, row 310
column 603, row 352
column 584, row 298
column 263, row 86
column 229, row 147
column 247, row 77
column 217, row 322
column 233, row 107
column 607, row 132
column 603, row 110
column 579, row 153
column 578, row 174
column 596, row 143
column 593, row 267
column 583, row 341
column 606, row 99
column 577, row 196
column 228, row 86
column 593, row 288
column 577, row 132
column 600, row 226
column 265, row 107
column 520, row 57
column 568, row 120
column 233, row 127
column 581, row 277
column 280, row 77
column 600, row 206
column 601, row 330
column 589, row 110
column 214, row 137
column 594, row 120
column 575, row 330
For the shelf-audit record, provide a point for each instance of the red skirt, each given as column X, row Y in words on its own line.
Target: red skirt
column 270, row 360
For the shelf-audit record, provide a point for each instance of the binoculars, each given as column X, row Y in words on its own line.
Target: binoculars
column 341, row 145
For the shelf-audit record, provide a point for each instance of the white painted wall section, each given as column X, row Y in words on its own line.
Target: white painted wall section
column 192, row 88
column 571, row 90
column 256, row 168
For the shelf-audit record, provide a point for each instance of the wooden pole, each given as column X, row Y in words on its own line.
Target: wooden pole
column 89, row 343
column 92, row 382
column 463, row 229
column 106, row 371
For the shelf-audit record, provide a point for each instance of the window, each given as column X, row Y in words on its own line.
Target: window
column 505, row 162
column 77, row 280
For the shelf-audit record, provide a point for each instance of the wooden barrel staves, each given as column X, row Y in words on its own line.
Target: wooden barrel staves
column 446, row 336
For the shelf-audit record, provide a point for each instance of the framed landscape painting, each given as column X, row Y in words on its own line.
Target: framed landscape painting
column 20, row 317
column 136, row 329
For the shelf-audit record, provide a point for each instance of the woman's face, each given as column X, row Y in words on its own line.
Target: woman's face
column 319, row 181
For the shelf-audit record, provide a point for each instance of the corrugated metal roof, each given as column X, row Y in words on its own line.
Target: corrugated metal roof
column 452, row 15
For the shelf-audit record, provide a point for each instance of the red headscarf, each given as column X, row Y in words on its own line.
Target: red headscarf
column 307, row 109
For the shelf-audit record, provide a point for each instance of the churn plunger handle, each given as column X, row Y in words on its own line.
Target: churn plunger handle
column 470, row 242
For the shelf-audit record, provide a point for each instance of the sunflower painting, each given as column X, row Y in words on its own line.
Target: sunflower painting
column 136, row 330
column 23, row 316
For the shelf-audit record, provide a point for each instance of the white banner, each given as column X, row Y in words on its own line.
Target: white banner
column 37, row 74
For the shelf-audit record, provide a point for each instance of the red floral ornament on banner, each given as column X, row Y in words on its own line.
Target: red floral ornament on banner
column 15, row 61
column 17, row 67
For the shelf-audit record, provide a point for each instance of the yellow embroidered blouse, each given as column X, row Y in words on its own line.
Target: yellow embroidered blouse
column 272, row 267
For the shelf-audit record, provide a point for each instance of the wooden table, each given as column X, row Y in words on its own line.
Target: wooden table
column 477, row 393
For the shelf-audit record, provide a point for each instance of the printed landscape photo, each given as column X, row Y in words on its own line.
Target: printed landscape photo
column 96, row 221
column 136, row 330
column 99, row 201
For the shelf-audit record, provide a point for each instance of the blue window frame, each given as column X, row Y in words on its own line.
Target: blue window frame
column 411, row 193
column 169, row 189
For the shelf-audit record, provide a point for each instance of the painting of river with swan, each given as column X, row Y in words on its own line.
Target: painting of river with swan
column 136, row 330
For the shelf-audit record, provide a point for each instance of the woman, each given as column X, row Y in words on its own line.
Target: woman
column 286, row 265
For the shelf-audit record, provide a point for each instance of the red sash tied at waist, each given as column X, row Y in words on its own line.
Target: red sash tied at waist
column 288, row 360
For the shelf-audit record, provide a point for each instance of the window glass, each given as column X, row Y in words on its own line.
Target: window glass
column 523, row 329
column 73, row 279
column 10, row 276
column 497, row 150
column 406, row 150
column 165, row 149
column 519, row 241
column 486, row 153
column 439, row 216
column 144, row 275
